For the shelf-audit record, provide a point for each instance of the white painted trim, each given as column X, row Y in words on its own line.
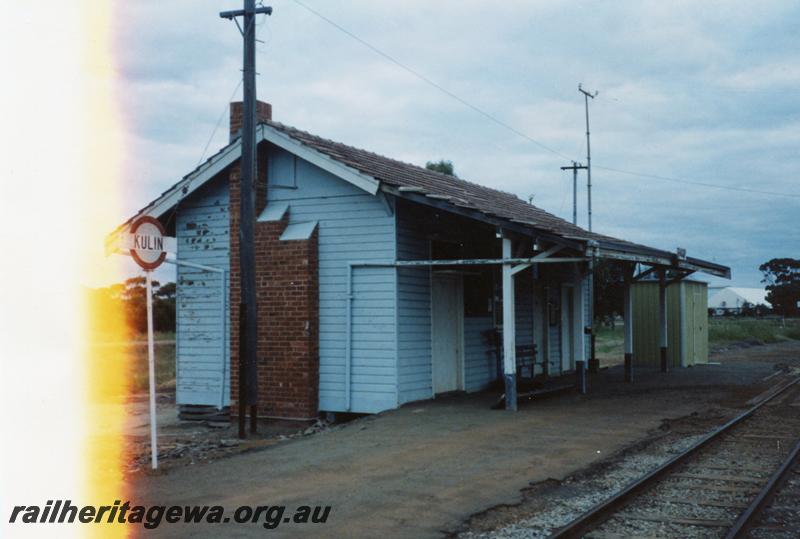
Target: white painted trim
column 520, row 267
column 192, row 182
column 550, row 251
column 232, row 152
column 579, row 320
column 509, row 311
column 348, row 174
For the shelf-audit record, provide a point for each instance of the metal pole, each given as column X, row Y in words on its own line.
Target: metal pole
column 586, row 96
column 151, row 367
column 590, row 286
column 588, row 164
column 248, row 321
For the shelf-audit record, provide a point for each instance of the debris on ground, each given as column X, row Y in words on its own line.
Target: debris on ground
column 187, row 443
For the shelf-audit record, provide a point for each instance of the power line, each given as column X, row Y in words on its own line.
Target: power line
column 514, row 130
column 703, row 184
column 219, row 121
column 430, row 82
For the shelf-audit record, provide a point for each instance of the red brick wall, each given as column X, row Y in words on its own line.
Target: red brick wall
column 287, row 289
column 263, row 112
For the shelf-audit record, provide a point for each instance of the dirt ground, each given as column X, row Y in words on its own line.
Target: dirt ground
column 437, row 467
column 189, row 443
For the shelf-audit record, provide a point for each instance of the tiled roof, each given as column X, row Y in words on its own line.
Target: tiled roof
column 488, row 201
column 454, row 190
column 416, row 180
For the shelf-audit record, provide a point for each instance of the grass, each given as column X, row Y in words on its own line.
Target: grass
column 765, row 330
column 134, row 352
column 721, row 331
column 164, row 363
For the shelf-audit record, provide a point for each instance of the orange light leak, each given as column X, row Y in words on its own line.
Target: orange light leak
column 63, row 384
column 107, row 364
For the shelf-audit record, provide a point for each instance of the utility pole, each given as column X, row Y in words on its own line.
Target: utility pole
column 594, row 365
column 586, row 96
column 248, row 322
column 574, row 168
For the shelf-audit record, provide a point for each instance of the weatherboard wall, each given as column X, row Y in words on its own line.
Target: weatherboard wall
column 480, row 357
column 352, row 226
column 202, row 352
column 413, row 310
column 692, row 323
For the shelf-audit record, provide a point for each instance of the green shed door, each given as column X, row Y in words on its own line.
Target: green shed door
column 700, row 312
column 689, row 323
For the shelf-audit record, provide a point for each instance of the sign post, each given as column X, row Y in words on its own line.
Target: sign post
column 151, row 367
column 148, row 247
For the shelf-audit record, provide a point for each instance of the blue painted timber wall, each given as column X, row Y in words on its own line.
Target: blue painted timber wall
column 391, row 311
column 202, row 351
column 413, row 311
column 353, row 226
column 480, row 361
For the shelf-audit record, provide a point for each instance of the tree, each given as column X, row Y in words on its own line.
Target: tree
column 167, row 291
column 445, row 167
column 129, row 299
column 782, row 277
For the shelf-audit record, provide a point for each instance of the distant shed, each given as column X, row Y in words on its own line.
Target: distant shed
column 687, row 323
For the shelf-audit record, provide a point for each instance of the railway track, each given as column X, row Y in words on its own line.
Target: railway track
column 775, row 512
column 740, row 480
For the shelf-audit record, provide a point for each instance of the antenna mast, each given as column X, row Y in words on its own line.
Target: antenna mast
column 586, row 96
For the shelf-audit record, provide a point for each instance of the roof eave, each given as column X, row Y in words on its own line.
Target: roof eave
column 657, row 257
column 229, row 154
column 514, row 226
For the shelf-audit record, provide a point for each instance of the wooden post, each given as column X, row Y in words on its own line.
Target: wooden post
column 579, row 338
column 546, row 331
column 248, row 307
column 662, row 318
column 509, row 332
column 628, row 332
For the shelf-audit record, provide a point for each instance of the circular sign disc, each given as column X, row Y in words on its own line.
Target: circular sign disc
column 148, row 249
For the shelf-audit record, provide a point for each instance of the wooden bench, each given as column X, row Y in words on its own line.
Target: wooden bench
column 526, row 354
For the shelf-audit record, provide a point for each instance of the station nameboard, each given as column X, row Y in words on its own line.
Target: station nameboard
column 146, row 242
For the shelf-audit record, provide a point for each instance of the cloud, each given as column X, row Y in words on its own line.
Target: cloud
column 702, row 91
column 781, row 75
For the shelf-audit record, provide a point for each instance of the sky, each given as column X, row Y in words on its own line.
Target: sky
column 704, row 92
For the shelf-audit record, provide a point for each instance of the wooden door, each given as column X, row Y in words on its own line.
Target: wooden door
column 447, row 306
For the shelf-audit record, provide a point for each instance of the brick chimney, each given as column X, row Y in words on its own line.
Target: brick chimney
column 287, row 290
column 263, row 113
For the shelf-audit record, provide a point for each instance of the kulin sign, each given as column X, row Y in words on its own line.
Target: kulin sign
column 148, row 246
column 146, row 242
